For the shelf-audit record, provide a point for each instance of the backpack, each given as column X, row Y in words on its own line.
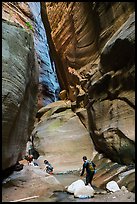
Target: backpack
column 91, row 165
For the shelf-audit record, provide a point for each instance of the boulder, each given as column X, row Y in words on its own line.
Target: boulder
column 79, row 189
column 84, row 192
column 75, row 185
column 62, row 138
column 112, row 186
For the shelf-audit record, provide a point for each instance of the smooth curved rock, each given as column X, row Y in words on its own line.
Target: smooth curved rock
column 75, row 185
column 19, row 78
column 112, row 186
column 84, row 192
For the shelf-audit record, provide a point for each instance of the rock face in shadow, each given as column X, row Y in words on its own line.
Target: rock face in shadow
column 111, row 106
column 96, row 43
column 19, row 90
column 48, row 82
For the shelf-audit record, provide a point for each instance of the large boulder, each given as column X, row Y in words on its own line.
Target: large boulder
column 75, row 185
column 79, row 189
column 84, row 192
column 61, row 137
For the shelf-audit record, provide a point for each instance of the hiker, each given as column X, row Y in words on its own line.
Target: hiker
column 31, row 153
column 29, row 147
column 35, row 157
column 48, row 167
column 29, row 158
column 34, row 154
column 90, row 170
column 32, row 137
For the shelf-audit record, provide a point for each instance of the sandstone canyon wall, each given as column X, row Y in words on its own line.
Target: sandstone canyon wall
column 95, row 41
column 27, row 85
column 19, row 90
column 28, row 16
column 92, row 49
column 48, row 81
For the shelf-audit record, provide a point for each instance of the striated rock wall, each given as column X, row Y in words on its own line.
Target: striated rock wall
column 28, row 16
column 48, row 82
column 93, row 50
column 20, row 75
column 80, row 30
column 19, row 90
column 95, row 42
column 111, row 106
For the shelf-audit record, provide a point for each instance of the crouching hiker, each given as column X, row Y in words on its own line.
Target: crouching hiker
column 48, row 167
column 90, row 170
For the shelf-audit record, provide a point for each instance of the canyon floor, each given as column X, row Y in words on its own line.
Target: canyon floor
column 23, row 185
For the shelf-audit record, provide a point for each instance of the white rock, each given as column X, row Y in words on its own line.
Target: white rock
column 112, row 186
column 124, row 189
column 84, row 192
column 123, row 174
column 75, row 185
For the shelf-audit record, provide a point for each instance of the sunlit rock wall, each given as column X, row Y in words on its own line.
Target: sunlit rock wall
column 95, row 42
column 19, row 91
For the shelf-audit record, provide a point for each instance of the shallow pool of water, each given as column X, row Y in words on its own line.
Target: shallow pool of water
column 67, row 179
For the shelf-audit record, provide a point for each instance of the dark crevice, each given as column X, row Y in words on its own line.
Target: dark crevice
column 81, row 118
column 53, row 54
column 5, row 97
column 118, row 55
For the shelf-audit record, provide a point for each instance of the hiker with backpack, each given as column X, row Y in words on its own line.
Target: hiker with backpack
column 90, row 170
column 48, row 167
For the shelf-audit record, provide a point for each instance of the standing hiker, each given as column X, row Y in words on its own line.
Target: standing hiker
column 90, row 170
column 31, row 153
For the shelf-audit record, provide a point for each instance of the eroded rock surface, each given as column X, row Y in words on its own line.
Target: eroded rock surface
column 107, row 170
column 28, row 16
column 19, row 90
column 94, row 51
column 96, row 43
